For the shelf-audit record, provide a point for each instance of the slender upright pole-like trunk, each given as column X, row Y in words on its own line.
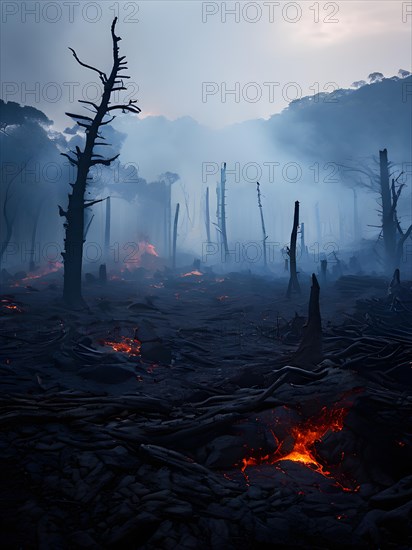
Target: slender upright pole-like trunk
column 218, row 215
column 169, row 218
column 207, row 216
column 388, row 218
column 293, row 285
column 223, row 209
column 175, row 234
column 302, row 240
column 107, row 230
column 262, row 220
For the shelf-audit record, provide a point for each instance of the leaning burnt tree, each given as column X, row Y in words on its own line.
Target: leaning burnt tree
column 84, row 160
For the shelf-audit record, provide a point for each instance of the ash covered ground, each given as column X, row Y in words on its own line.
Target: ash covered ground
column 174, row 413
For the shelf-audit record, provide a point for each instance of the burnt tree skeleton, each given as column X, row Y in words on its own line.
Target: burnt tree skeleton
column 84, row 160
column 394, row 237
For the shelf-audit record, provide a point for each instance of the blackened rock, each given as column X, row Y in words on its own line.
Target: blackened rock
column 155, row 351
column 225, row 452
column 107, row 374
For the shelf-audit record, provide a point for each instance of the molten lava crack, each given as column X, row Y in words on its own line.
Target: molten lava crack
column 305, row 436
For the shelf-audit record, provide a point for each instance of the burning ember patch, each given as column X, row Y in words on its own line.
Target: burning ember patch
column 10, row 305
column 305, row 437
column 140, row 254
column 150, row 249
column 53, row 267
column 130, row 346
column 195, row 273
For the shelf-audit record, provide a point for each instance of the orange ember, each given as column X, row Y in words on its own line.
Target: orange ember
column 131, row 346
column 8, row 304
column 305, row 436
column 150, row 249
column 137, row 255
column 196, row 273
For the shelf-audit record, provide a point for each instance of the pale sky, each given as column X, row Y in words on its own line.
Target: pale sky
column 183, row 55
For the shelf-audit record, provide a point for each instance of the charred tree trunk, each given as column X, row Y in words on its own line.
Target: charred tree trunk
column 293, row 279
column 218, row 212
column 388, row 218
column 169, row 219
column 223, row 209
column 302, row 241
column 262, row 220
column 175, row 235
column 107, row 230
column 207, row 215
column 309, row 352
column 84, row 160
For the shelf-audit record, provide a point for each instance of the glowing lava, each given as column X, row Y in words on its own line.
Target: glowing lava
column 305, row 436
column 309, row 433
column 131, row 346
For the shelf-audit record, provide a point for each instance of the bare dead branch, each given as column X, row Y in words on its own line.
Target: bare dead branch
column 105, row 162
column 101, row 74
column 72, row 161
column 87, row 204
